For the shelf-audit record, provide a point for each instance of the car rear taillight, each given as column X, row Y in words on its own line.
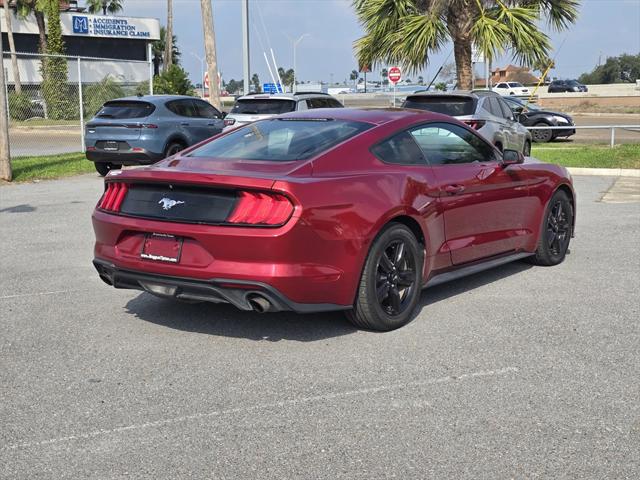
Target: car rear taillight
column 229, row 121
column 254, row 208
column 113, row 196
column 475, row 124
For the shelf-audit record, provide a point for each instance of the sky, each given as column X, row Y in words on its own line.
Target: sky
column 605, row 28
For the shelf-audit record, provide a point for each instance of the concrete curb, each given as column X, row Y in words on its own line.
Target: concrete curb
column 605, row 172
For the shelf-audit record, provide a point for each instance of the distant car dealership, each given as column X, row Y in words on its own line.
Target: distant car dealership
column 126, row 40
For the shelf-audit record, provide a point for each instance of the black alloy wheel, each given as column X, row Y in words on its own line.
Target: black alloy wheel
column 390, row 285
column 556, row 232
column 395, row 278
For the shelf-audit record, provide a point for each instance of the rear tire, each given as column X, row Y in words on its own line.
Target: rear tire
column 173, row 148
column 557, row 229
column 390, row 286
column 103, row 168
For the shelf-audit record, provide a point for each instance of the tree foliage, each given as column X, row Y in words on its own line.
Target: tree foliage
column 174, row 81
column 287, row 77
column 622, row 69
column 104, row 6
column 158, row 48
column 406, row 32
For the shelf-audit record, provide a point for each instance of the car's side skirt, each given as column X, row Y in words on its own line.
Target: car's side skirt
column 476, row 267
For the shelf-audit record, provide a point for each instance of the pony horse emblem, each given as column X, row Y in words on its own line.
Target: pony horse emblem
column 168, row 203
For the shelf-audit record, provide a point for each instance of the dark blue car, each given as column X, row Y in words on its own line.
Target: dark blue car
column 142, row 130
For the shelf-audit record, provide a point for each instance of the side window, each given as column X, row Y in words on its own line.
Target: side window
column 506, row 111
column 333, row 103
column 400, row 149
column 317, row 103
column 501, row 85
column 183, row 108
column 446, row 144
column 206, row 110
column 492, row 106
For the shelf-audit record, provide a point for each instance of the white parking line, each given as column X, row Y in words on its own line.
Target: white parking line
column 40, row 294
column 283, row 404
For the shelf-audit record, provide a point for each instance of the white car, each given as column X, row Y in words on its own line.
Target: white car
column 250, row 108
column 511, row 88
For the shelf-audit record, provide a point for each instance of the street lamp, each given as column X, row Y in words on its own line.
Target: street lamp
column 202, row 67
column 295, row 47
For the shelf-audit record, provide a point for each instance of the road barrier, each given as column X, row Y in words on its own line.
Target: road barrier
column 612, row 128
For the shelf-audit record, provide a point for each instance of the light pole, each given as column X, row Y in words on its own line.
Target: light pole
column 295, row 48
column 202, row 65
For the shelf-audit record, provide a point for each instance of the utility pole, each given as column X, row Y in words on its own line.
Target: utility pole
column 168, row 39
column 210, row 52
column 5, row 157
column 295, row 57
column 246, row 67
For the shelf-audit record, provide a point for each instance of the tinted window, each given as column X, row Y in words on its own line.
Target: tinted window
column 256, row 106
column 501, row 85
column 281, row 140
column 515, row 84
column 333, row 103
column 401, row 149
column 454, row 106
column 126, row 109
column 206, row 110
column 506, row 111
column 183, row 108
column 492, row 106
column 317, row 103
column 445, row 144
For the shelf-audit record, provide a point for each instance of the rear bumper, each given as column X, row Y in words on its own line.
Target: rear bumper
column 245, row 295
column 144, row 157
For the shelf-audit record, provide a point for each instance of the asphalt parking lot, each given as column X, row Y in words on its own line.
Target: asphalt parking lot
column 520, row 372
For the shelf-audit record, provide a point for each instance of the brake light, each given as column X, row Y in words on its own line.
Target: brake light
column 229, row 121
column 255, row 208
column 475, row 124
column 113, row 197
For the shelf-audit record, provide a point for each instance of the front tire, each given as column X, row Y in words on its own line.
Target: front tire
column 103, row 168
column 556, row 231
column 390, row 286
column 542, row 135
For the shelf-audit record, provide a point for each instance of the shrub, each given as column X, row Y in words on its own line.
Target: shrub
column 173, row 82
column 19, row 106
column 94, row 96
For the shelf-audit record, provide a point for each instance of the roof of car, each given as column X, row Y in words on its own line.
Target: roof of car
column 283, row 96
column 155, row 98
column 455, row 93
column 376, row 116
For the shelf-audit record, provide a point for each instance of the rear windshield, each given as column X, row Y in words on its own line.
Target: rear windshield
column 281, row 140
column 454, row 106
column 263, row 106
column 126, row 109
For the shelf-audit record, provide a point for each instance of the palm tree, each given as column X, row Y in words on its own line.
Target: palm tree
column 407, row 31
column 158, row 47
column 12, row 48
column 24, row 8
column 210, row 52
column 110, row 6
column 287, row 77
column 354, row 77
column 168, row 52
column 255, row 80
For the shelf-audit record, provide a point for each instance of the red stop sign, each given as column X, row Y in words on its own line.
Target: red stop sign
column 395, row 74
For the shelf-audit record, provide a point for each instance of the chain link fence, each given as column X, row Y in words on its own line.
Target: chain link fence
column 54, row 96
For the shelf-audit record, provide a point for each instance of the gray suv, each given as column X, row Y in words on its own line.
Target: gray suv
column 482, row 110
column 250, row 108
column 145, row 129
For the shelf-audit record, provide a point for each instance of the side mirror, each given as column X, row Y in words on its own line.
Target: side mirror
column 512, row 157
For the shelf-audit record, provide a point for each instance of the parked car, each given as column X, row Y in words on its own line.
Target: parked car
column 483, row 110
column 561, row 86
column 511, row 88
column 250, row 108
column 142, row 130
column 339, row 209
column 531, row 115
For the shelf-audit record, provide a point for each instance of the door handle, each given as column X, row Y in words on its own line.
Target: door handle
column 454, row 189
column 184, row 124
column 211, row 124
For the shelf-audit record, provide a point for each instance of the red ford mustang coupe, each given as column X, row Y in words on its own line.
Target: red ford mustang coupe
column 354, row 210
